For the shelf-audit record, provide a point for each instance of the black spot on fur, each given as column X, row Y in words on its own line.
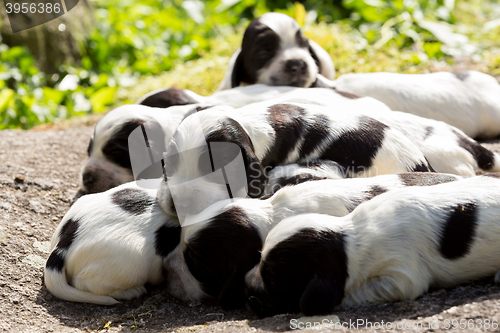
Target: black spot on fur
column 288, row 123
column 89, row 148
column 67, row 235
column 374, row 191
column 168, row 97
column 356, row 148
column 459, row 231
column 166, row 239
column 116, row 149
column 56, row 260
column 299, row 270
column 221, row 253
column 260, row 44
column 297, row 179
column 462, row 76
column 346, row 94
column 485, row 158
column 425, row 178
column 422, row 167
column 133, row 201
column 316, row 132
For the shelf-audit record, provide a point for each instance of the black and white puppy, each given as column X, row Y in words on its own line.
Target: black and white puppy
column 109, row 163
column 275, row 52
column 363, row 142
column 468, row 100
column 266, row 135
column 393, row 247
column 108, row 245
column 221, row 244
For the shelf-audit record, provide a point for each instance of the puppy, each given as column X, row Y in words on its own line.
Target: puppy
column 109, row 163
column 222, row 243
column 275, row 52
column 393, row 247
column 266, row 135
column 108, row 245
column 468, row 100
column 363, row 142
column 241, row 96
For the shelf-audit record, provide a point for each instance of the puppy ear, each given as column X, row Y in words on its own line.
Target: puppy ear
column 256, row 177
column 323, row 59
column 232, row 295
column 238, row 74
column 321, row 296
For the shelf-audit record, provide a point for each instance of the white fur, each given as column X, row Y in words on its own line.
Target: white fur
column 333, row 197
column 113, row 254
column 286, row 28
column 397, row 154
column 392, row 241
column 472, row 105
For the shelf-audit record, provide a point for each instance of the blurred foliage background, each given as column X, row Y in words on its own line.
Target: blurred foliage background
column 135, row 46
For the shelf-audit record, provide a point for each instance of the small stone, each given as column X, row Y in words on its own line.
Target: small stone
column 19, row 178
column 42, row 246
column 34, row 260
column 5, row 205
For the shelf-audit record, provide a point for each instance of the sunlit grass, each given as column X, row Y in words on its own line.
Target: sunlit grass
column 350, row 53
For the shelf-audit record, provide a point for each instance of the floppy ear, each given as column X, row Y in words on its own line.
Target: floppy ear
column 323, row 59
column 321, row 296
column 238, row 73
column 256, row 177
column 232, row 295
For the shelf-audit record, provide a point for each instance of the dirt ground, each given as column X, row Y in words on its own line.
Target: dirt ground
column 38, row 179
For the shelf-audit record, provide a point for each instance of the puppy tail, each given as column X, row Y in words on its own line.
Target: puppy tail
column 56, row 283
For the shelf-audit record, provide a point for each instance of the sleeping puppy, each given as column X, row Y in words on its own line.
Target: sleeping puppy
column 215, row 155
column 468, row 100
column 108, row 245
column 109, row 163
column 393, row 247
column 219, row 245
column 264, row 135
column 275, row 52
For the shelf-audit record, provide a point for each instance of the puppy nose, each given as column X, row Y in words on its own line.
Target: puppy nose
column 295, row 65
column 87, row 178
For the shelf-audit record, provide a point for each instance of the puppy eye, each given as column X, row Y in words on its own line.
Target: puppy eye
column 89, row 148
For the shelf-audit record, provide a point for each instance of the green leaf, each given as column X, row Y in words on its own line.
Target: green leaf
column 101, row 98
column 6, row 96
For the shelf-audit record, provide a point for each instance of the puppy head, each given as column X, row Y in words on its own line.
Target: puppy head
column 274, row 52
column 216, row 252
column 303, row 268
column 109, row 162
column 124, row 141
column 210, row 158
